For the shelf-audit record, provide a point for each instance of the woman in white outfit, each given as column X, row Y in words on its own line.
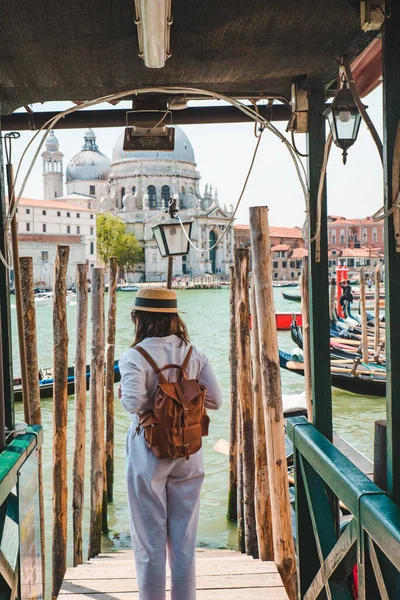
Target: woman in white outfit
column 163, row 494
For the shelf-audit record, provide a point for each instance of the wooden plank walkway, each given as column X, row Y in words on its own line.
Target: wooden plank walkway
column 221, row 574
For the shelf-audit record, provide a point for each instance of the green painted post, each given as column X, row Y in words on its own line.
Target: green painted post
column 391, row 114
column 318, row 278
column 5, row 310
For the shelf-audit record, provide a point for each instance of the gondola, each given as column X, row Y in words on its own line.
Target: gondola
column 364, row 385
column 294, row 296
column 46, row 382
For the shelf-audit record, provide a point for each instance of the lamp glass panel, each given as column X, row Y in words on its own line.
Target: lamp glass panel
column 160, row 241
column 332, row 127
column 175, row 238
column 345, row 123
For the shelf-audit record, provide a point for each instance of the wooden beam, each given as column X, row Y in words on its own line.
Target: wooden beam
column 193, row 115
column 318, row 278
column 391, row 121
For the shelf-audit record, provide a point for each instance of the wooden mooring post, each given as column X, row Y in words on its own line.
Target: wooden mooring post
column 262, row 496
column 78, row 477
column 376, row 309
column 232, row 513
column 111, row 324
column 97, row 413
column 60, row 490
column 29, row 313
column 245, row 395
column 272, row 400
column 364, row 327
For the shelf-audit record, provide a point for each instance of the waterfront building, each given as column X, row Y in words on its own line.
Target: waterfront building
column 42, row 224
column 287, row 250
column 354, row 233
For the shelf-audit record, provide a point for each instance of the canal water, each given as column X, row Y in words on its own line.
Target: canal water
column 207, row 317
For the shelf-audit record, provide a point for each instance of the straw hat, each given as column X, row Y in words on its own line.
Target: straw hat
column 160, row 300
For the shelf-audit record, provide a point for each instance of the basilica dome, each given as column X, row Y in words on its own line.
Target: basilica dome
column 89, row 164
column 183, row 150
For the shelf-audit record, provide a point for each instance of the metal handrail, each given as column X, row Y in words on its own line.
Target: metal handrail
column 377, row 514
column 14, row 455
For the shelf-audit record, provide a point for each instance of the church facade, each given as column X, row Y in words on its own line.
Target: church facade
column 137, row 186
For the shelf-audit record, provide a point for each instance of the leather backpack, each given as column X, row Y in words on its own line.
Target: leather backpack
column 178, row 421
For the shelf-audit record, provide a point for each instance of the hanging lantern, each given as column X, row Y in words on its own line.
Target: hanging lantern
column 171, row 239
column 344, row 120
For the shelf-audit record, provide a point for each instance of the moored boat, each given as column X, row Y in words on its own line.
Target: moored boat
column 362, row 383
column 46, row 382
column 284, row 320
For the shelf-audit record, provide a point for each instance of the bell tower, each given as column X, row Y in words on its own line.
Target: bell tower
column 52, row 169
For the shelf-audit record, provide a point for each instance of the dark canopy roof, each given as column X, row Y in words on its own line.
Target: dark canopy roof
column 79, row 50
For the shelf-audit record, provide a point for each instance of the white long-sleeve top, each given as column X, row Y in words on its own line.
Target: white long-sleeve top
column 139, row 380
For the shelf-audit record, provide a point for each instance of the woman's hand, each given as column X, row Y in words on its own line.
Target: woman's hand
column 120, row 392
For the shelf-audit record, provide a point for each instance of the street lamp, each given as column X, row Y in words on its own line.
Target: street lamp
column 344, row 119
column 172, row 237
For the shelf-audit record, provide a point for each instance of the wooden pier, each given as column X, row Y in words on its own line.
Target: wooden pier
column 221, row 574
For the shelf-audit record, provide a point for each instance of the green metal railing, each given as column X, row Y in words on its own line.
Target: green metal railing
column 370, row 539
column 20, row 545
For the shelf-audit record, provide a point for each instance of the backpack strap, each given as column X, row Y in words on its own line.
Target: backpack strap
column 187, row 359
column 153, row 364
column 147, row 356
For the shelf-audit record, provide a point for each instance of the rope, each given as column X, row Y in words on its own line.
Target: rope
column 236, row 207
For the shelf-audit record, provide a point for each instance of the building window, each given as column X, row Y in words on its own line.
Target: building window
column 334, row 252
column 342, row 236
column 122, row 194
column 68, row 228
column 165, row 195
column 91, row 231
column 151, row 192
column 91, row 248
column 68, row 214
column 58, row 213
column 28, row 211
column 91, row 215
column 78, row 215
column 364, row 236
column 78, row 229
column 43, row 212
column 276, row 275
column 55, row 194
column 133, row 189
column 333, row 238
column 292, row 275
column 292, row 264
column 350, row 262
column 44, row 228
column 45, row 257
column 28, row 226
column 284, row 264
column 92, row 190
column 374, row 235
column 275, row 264
column 334, row 263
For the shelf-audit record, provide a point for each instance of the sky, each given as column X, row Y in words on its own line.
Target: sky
column 223, row 154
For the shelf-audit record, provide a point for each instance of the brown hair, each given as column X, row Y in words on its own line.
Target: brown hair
column 156, row 324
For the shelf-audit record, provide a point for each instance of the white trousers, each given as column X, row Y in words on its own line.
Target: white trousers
column 164, row 502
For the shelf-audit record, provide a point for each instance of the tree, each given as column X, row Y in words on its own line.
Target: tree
column 113, row 240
